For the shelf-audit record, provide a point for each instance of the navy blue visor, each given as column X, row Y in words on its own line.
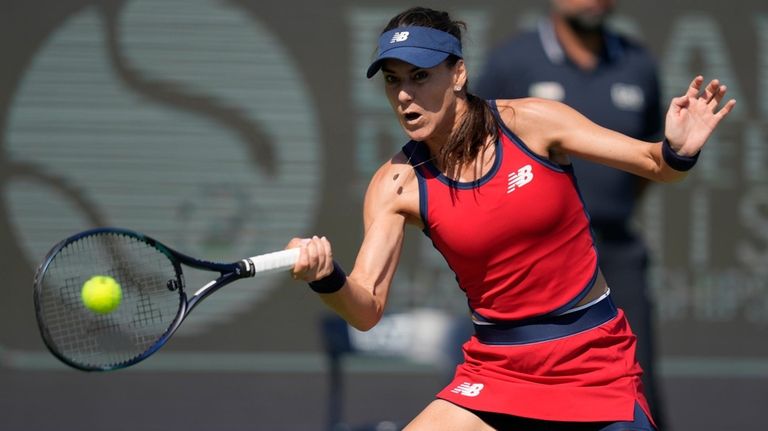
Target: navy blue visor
column 422, row 47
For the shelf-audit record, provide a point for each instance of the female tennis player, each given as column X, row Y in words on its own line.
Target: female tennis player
column 490, row 183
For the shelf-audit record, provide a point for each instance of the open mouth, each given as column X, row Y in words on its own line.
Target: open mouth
column 411, row 116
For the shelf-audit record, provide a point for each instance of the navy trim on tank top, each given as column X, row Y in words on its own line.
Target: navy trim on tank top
column 425, row 156
column 572, row 175
column 590, row 284
column 415, row 159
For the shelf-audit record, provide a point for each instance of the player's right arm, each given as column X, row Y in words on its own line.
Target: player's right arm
column 388, row 205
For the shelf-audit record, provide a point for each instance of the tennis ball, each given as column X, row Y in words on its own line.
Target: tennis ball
column 101, row 294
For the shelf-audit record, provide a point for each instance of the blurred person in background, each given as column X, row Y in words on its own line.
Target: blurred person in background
column 572, row 57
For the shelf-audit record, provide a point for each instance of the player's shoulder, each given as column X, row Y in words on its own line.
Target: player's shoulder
column 398, row 162
column 385, row 179
column 528, row 110
column 393, row 189
column 537, row 123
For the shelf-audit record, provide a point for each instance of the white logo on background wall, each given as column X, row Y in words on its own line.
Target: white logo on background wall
column 627, row 97
column 520, row 178
column 547, row 90
column 400, row 36
column 468, row 389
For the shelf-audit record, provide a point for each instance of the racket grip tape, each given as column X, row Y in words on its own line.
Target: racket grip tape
column 271, row 262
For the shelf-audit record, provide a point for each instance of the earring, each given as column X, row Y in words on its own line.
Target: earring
column 457, row 88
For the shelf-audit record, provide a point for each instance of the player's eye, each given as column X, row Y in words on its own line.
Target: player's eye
column 390, row 79
column 420, row 75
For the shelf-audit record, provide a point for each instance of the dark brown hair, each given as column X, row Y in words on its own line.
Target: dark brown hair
column 478, row 123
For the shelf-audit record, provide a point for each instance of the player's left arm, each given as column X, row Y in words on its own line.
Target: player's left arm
column 690, row 120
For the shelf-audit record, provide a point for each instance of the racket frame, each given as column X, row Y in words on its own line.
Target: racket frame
column 228, row 273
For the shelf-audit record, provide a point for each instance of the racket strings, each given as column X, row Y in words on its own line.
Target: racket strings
column 146, row 312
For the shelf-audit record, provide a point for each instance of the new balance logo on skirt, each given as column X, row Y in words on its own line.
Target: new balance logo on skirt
column 468, row 389
column 523, row 176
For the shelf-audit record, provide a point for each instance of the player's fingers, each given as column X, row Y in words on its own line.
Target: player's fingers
column 302, row 263
column 325, row 265
column 313, row 254
column 328, row 253
column 711, row 90
column 715, row 102
column 693, row 89
column 726, row 110
column 308, row 261
column 679, row 103
column 293, row 243
column 321, row 257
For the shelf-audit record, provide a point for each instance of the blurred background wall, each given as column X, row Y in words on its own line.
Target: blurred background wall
column 224, row 128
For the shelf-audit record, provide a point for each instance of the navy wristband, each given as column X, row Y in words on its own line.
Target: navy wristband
column 676, row 161
column 330, row 283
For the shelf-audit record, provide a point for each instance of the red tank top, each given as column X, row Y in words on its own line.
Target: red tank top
column 518, row 239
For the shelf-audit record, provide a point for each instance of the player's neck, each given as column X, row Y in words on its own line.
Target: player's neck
column 448, row 127
column 472, row 170
column 583, row 48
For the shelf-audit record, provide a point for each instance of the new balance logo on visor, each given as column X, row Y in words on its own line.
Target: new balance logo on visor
column 400, row 36
column 523, row 176
column 468, row 389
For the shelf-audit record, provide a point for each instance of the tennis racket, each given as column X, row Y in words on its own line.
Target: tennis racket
column 154, row 300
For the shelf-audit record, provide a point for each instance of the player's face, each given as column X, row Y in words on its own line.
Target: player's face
column 587, row 13
column 424, row 100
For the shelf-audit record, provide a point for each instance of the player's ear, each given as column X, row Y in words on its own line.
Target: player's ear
column 459, row 75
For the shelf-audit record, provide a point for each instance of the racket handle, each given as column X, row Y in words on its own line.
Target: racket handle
column 271, row 262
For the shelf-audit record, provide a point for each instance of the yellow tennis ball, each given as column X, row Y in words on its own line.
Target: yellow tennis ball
column 101, row 294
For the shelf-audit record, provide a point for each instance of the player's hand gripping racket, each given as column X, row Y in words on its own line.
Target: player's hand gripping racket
column 139, row 303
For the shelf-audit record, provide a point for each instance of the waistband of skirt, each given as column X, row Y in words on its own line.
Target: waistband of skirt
column 546, row 328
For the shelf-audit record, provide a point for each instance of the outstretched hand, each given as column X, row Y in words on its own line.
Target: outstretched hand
column 692, row 117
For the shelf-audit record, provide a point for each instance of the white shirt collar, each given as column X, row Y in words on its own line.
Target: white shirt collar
column 554, row 51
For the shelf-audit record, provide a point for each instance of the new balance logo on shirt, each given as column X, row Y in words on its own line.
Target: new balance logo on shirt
column 468, row 389
column 400, row 36
column 523, row 176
